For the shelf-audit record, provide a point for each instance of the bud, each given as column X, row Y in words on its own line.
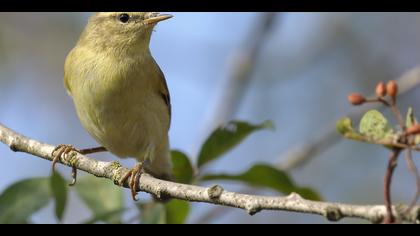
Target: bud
column 392, row 89
column 413, row 130
column 356, row 99
column 380, row 89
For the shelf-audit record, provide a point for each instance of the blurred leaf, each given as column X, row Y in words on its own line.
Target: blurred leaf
column 101, row 196
column 225, row 138
column 152, row 213
column 262, row 175
column 105, row 217
column 375, row 126
column 344, row 127
column 410, row 121
column 182, row 168
column 309, row 193
column 173, row 212
column 59, row 192
column 22, row 199
column 177, row 211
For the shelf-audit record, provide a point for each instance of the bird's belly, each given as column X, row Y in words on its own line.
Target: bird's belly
column 127, row 123
column 125, row 135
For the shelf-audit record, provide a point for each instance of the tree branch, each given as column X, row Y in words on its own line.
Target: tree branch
column 214, row 195
column 387, row 182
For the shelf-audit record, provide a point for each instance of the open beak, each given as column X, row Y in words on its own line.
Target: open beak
column 157, row 18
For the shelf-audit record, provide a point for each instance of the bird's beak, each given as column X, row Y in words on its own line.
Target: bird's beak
column 155, row 18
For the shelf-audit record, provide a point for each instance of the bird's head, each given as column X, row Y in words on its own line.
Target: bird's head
column 121, row 31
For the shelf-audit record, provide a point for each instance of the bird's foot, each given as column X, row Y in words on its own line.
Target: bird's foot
column 134, row 175
column 61, row 151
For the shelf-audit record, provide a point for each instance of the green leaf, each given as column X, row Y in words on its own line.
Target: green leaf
column 262, row 175
column 182, row 168
column 227, row 137
column 152, row 213
column 101, row 196
column 344, row 127
column 105, row 217
column 59, row 191
column 173, row 212
column 375, row 126
column 410, row 121
column 177, row 211
column 22, row 199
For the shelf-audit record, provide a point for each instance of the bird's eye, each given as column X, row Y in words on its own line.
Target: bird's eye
column 124, row 18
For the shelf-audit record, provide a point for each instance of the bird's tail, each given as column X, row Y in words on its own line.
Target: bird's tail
column 160, row 165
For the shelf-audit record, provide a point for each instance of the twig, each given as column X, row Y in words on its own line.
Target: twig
column 392, row 163
column 385, row 142
column 413, row 169
column 251, row 203
column 397, row 115
column 302, row 153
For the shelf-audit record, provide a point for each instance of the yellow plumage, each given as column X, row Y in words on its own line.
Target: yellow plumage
column 119, row 91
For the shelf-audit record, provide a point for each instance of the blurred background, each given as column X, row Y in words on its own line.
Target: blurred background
column 298, row 73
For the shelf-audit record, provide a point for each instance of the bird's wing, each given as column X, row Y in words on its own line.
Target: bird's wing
column 66, row 84
column 164, row 92
column 68, row 69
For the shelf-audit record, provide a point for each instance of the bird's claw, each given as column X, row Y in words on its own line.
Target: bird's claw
column 60, row 152
column 134, row 175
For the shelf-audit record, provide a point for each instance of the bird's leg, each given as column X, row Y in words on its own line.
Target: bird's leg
column 134, row 175
column 62, row 150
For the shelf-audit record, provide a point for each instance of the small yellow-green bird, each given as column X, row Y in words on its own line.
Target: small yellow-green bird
column 120, row 93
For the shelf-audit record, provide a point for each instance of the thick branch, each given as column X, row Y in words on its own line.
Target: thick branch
column 214, row 195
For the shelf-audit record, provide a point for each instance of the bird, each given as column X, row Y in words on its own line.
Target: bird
column 120, row 93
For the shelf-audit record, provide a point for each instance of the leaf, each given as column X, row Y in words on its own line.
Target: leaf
column 262, row 175
column 410, row 121
column 182, row 168
column 22, row 199
column 101, row 196
column 177, row 211
column 344, row 127
column 225, row 138
column 105, row 217
column 59, row 192
column 152, row 213
column 173, row 212
column 375, row 126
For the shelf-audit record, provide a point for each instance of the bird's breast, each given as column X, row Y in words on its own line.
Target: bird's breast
column 121, row 109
